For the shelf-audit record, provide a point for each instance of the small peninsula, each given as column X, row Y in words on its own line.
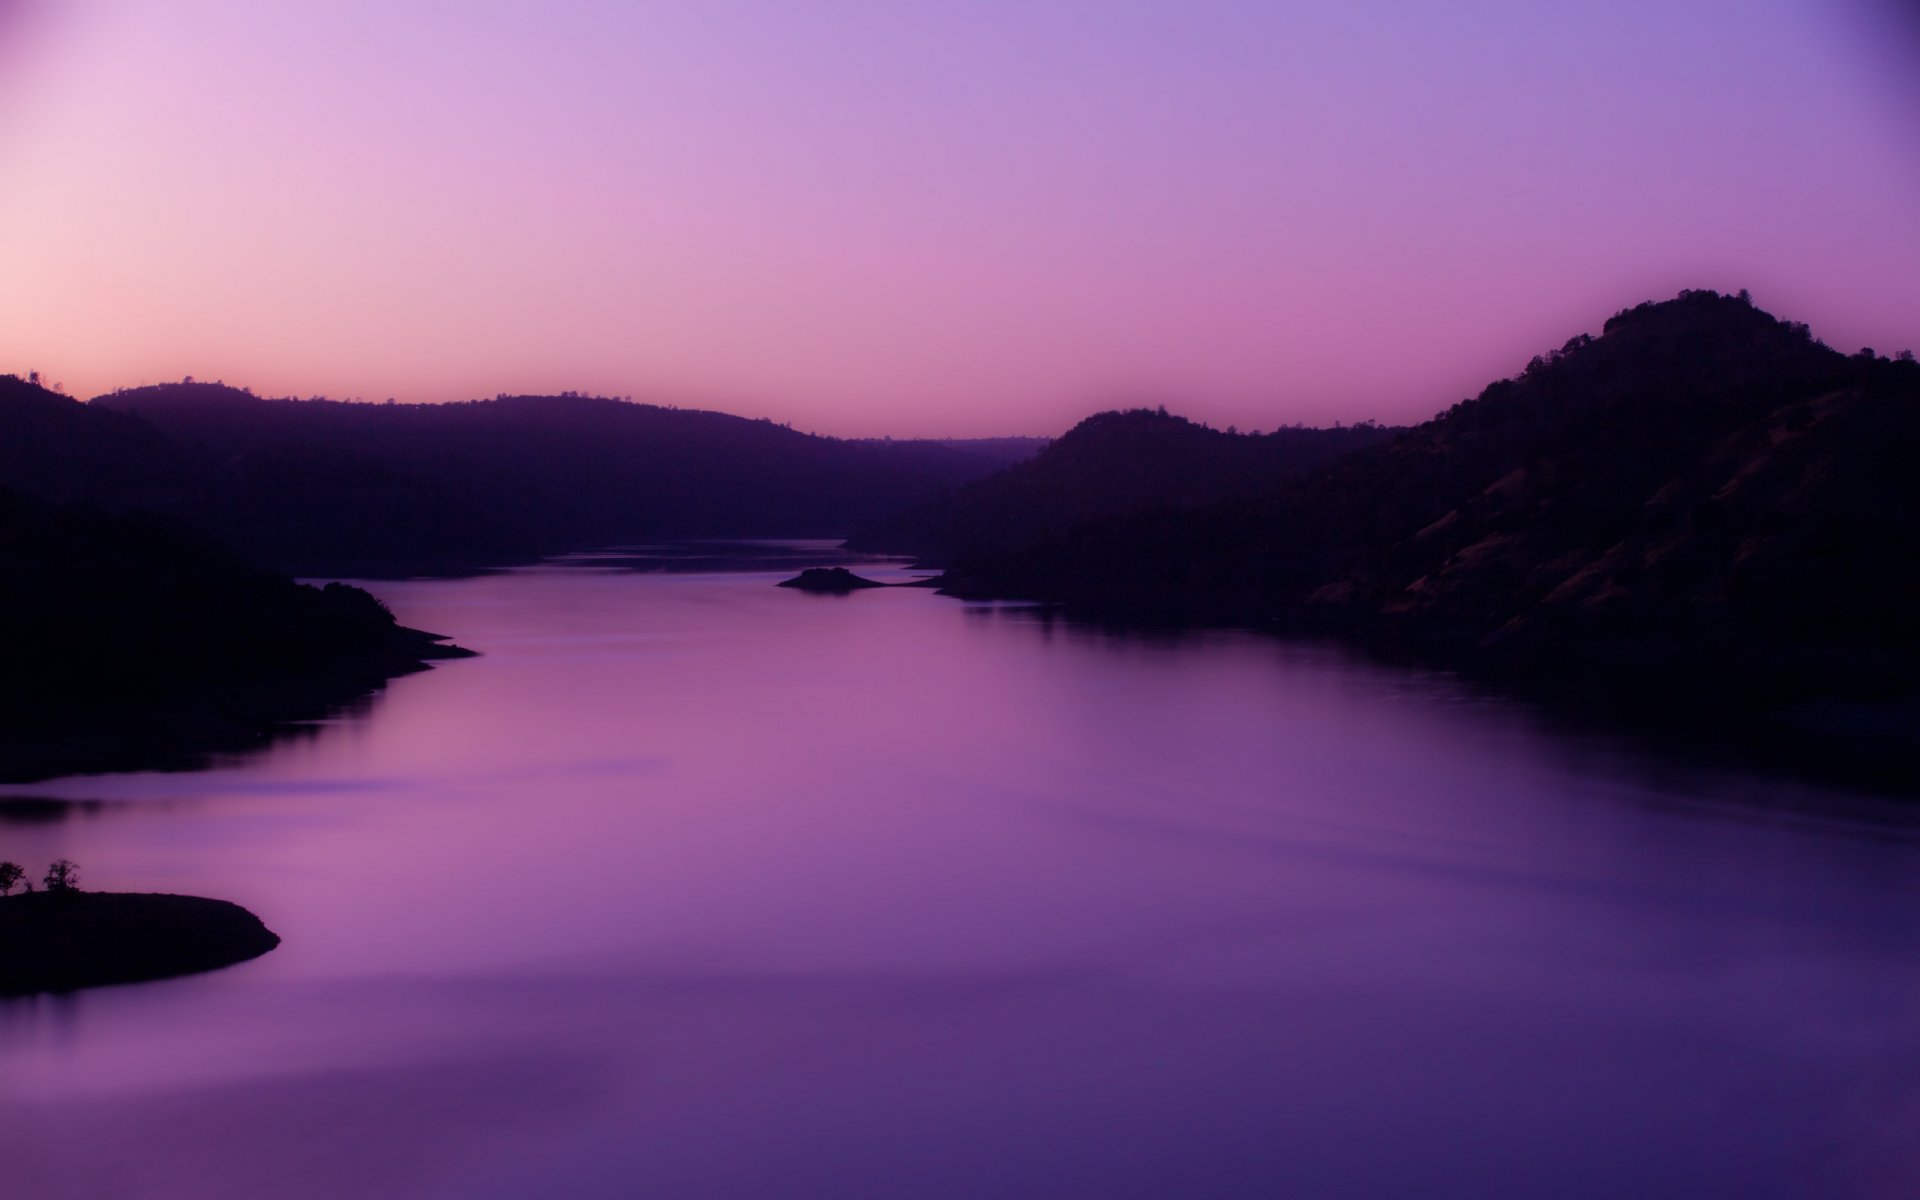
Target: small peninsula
column 57, row 941
column 151, row 648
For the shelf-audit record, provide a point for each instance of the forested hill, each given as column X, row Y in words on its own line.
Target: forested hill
column 62, row 451
column 324, row 487
column 1703, row 506
column 1113, row 464
column 133, row 644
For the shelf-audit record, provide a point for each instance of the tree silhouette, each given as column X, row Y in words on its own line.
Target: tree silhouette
column 62, row 876
column 11, row 873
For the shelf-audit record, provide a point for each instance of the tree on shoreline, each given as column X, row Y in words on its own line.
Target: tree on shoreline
column 62, row 876
column 11, row 873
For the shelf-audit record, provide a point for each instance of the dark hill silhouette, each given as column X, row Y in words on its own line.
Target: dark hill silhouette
column 1703, row 512
column 60, row 941
column 323, row 487
column 63, row 451
column 134, row 644
column 1111, row 464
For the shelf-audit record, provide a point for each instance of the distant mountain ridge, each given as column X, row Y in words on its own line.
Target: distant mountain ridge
column 322, row 487
column 65, row 452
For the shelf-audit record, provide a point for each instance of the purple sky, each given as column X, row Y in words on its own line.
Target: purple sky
column 934, row 217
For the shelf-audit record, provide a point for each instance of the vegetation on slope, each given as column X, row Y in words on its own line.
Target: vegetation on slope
column 1112, row 464
column 320, row 487
column 1702, row 509
column 137, row 644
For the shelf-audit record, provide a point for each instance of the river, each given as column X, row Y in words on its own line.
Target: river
column 692, row 886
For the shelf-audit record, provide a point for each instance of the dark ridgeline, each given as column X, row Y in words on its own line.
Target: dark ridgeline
column 132, row 644
column 1703, row 516
column 1114, row 464
column 321, row 487
column 57, row 449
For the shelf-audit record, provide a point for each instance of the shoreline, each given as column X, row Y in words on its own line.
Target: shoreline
column 55, row 942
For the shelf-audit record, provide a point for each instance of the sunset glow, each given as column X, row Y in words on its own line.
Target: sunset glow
column 1227, row 598
column 935, row 218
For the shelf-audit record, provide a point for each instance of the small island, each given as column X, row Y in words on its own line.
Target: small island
column 62, row 939
column 833, row 581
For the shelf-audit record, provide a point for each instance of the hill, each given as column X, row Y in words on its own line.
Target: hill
column 1113, row 464
column 1702, row 512
column 65, row 452
column 139, row 645
column 318, row 487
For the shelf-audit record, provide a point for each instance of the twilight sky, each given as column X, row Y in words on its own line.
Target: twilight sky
column 934, row 216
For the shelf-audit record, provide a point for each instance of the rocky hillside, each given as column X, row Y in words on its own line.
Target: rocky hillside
column 1702, row 508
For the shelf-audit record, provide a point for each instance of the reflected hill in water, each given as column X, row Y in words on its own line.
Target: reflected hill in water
column 1702, row 516
column 137, row 645
column 699, row 558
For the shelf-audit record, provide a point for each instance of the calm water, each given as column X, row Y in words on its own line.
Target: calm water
column 695, row 887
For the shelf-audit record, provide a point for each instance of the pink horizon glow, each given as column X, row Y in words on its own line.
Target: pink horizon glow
column 934, row 219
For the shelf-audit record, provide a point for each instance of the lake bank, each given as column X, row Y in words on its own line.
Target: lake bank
column 62, row 941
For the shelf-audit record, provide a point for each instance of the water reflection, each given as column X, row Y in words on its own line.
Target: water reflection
column 720, row 556
column 691, row 886
column 44, row 810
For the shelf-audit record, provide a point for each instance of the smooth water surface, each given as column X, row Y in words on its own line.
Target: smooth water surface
column 692, row 886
